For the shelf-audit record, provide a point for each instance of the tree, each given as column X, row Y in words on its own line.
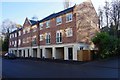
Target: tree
column 8, row 26
column 107, row 45
column 106, row 8
column 115, row 15
column 100, row 14
column 5, row 44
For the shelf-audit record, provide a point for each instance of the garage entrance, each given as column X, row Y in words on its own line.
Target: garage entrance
column 60, row 53
column 35, row 52
column 20, row 53
column 48, row 53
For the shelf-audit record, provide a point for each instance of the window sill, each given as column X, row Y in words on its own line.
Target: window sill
column 58, row 42
column 68, row 21
column 58, row 24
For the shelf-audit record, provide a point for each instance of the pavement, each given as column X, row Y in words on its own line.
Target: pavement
column 36, row 68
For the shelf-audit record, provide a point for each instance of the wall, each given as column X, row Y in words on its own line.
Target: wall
column 86, row 22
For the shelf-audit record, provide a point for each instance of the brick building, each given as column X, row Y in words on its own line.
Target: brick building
column 59, row 35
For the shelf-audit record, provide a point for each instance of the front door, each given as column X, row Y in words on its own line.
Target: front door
column 70, row 53
column 41, row 53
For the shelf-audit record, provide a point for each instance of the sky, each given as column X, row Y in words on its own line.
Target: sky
column 18, row 10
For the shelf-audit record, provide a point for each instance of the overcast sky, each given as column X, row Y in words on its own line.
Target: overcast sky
column 18, row 10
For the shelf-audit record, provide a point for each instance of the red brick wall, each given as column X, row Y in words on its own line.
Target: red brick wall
column 53, row 28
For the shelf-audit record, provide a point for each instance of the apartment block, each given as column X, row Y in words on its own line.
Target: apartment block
column 57, row 36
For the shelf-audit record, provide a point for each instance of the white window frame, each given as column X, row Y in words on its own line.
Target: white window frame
column 10, row 36
column 23, row 40
column 15, row 43
column 19, row 33
column 48, row 37
column 34, row 38
column 24, row 31
column 58, row 20
column 47, row 24
column 34, row 28
column 41, row 26
column 19, row 42
column 41, row 37
column 59, row 37
column 69, row 32
column 15, row 34
column 69, row 17
column 28, row 30
column 10, row 43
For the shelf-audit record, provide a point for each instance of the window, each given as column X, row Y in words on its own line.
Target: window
column 15, row 44
column 34, row 40
column 69, row 32
column 58, row 37
column 81, row 48
column 41, row 37
column 47, row 38
column 19, row 33
column 34, row 28
column 12, row 42
column 27, row 39
column 23, row 41
column 58, row 20
column 15, row 34
column 19, row 42
column 10, row 36
column 28, row 30
column 69, row 17
column 41, row 26
column 23, row 31
column 47, row 24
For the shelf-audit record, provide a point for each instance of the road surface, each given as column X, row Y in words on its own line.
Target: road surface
column 26, row 68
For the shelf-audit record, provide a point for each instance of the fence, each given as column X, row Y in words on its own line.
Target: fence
column 86, row 55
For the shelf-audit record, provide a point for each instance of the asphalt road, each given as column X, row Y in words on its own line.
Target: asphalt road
column 25, row 68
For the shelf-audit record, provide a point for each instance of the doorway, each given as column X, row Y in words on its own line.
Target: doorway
column 70, row 53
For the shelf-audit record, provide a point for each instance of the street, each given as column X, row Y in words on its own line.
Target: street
column 26, row 68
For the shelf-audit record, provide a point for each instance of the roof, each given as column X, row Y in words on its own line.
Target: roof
column 50, row 16
column 57, row 14
column 33, row 22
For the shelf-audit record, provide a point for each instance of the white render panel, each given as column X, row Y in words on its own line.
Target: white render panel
column 54, row 52
column 65, row 53
column 26, row 53
column 38, row 53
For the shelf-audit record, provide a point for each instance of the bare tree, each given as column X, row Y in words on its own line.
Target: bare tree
column 100, row 14
column 115, row 14
column 106, row 8
column 8, row 26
